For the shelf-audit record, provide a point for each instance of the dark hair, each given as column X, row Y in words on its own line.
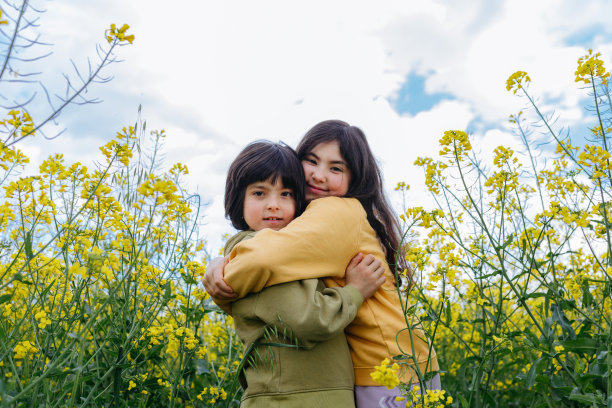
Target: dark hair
column 366, row 182
column 259, row 161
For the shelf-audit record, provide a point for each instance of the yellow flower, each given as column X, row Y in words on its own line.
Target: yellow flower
column 590, row 67
column 19, row 124
column 517, row 80
column 459, row 141
column 402, row 186
column 385, row 375
column 1, row 20
column 24, row 348
column 119, row 34
column 43, row 320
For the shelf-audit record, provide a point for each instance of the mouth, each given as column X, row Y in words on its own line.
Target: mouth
column 315, row 190
column 272, row 219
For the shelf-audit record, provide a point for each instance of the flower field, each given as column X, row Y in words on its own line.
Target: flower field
column 100, row 293
column 514, row 266
column 101, row 301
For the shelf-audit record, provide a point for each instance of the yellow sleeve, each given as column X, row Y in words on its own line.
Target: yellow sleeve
column 319, row 243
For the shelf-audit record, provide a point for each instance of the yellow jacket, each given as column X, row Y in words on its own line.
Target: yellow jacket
column 320, row 244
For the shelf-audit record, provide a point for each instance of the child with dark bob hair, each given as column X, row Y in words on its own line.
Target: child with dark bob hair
column 260, row 161
column 265, row 189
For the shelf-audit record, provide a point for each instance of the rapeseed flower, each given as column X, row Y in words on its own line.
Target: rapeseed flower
column 590, row 66
column 119, row 34
column 517, row 81
column 386, row 375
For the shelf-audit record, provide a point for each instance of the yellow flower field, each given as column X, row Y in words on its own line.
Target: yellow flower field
column 101, row 301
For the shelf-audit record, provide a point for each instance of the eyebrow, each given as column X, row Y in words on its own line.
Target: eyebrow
column 258, row 185
column 332, row 162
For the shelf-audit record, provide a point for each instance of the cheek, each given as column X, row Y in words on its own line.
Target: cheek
column 340, row 183
column 290, row 210
column 347, row 183
column 250, row 207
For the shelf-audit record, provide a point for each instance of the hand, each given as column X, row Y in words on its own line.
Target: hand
column 365, row 273
column 213, row 280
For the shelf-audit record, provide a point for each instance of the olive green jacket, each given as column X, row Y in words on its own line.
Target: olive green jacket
column 314, row 369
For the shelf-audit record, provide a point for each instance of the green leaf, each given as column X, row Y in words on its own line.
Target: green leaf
column 167, row 293
column 585, row 398
column 534, row 295
column 587, row 297
column 19, row 278
column 27, row 243
column 5, row 298
column 536, row 368
column 508, row 241
column 581, row 345
column 464, row 402
column 559, row 317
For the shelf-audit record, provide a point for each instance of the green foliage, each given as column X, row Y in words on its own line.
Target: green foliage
column 514, row 267
column 101, row 303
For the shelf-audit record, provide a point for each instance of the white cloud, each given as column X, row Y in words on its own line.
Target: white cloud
column 216, row 75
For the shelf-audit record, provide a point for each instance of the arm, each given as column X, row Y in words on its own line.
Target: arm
column 310, row 312
column 214, row 284
column 319, row 243
column 333, row 308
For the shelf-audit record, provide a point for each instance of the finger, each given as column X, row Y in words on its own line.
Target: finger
column 368, row 259
column 356, row 260
column 222, row 294
column 376, row 264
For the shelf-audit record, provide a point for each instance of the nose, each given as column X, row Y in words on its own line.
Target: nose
column 317, row 174
column 272, row 203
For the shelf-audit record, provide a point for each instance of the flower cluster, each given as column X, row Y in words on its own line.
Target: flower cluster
column 456, row 143
column 428, row 399
column 386, row 374
column 19, row 124
column 119, row 34
column 590, row 66
column 517, row 81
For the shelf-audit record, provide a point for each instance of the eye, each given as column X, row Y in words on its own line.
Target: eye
column 258, row 193
column 287, row 194
column 337, row 169
column 310, row 161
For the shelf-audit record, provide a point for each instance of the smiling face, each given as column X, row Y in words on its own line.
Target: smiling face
column 327, row 173
column 268, row 205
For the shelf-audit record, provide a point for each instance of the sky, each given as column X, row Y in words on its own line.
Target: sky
column 216, row 75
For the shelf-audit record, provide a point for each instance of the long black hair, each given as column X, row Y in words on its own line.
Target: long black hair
column 366, row 182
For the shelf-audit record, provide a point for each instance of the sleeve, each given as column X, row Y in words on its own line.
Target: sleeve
column 310, row 315
column 319, row 243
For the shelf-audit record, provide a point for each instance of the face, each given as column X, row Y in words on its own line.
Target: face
column 268, row 205
column 327, row 174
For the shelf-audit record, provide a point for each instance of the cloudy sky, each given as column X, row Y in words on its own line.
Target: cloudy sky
column 218, row 74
